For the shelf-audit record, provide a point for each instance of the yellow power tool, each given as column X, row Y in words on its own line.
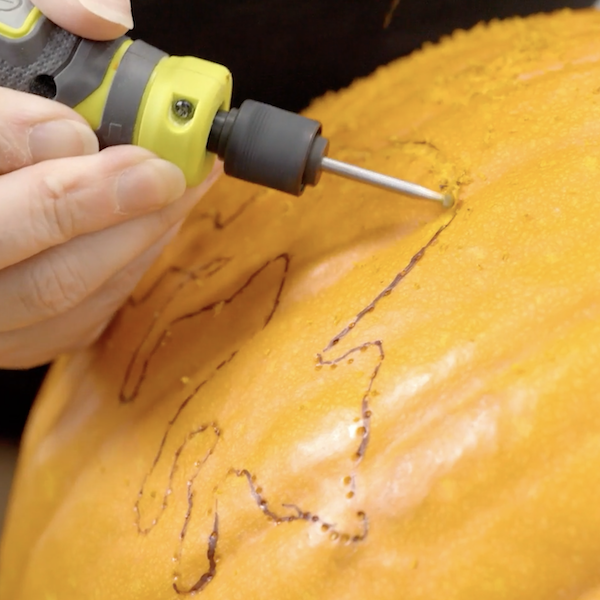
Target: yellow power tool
column 178, row 107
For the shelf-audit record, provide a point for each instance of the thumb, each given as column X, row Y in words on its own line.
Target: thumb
column 93, row 19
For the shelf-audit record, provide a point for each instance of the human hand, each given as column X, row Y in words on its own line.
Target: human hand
column 78, row 227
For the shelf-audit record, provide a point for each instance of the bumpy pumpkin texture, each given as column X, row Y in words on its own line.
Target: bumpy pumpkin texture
column 354, row 394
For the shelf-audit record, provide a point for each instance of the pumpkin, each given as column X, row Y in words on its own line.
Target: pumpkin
column 354, row 394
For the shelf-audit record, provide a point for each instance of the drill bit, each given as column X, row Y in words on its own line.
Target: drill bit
column 286, row 151
column 400, row 186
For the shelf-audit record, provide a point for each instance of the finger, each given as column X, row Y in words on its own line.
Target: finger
column 51, row 203
column 33, row 129
column 92, row 19
column 43, row 342
column 58, row 280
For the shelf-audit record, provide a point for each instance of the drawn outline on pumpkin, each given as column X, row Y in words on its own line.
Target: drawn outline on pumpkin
column 297, row 513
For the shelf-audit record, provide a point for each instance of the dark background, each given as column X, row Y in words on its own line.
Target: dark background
column 286, row 52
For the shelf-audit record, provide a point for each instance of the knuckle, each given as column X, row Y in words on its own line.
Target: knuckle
column 13, row 155
column 56, row 286
column 52, row 210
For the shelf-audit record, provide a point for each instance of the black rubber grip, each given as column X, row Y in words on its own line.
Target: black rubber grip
column 263, row 144
column 57, row 47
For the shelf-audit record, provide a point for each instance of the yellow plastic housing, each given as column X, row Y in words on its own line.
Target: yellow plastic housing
column 24, row 30
column 208, row 86
column 92, row 108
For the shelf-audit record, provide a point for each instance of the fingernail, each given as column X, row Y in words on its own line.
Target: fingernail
column 115, row 11
column 61, row 139
column 148, row 186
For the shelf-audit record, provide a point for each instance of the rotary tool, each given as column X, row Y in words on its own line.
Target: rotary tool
column 177, row 107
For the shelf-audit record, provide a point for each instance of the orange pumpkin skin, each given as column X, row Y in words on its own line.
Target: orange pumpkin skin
column 353, row 394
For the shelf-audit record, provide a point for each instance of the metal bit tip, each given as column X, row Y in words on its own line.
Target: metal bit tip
column 400, row 186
